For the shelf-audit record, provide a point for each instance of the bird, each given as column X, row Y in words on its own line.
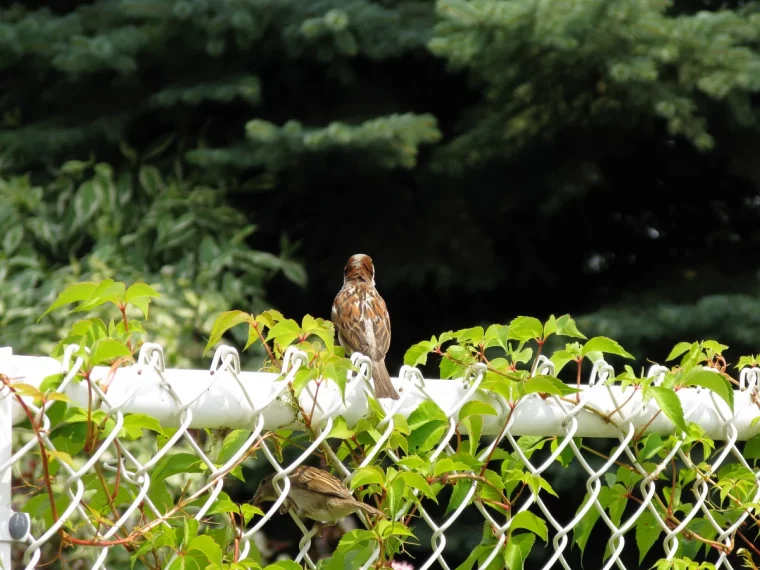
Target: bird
column 315, row 494
column 361, row 318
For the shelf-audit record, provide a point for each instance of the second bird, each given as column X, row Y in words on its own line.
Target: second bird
column 362, row 320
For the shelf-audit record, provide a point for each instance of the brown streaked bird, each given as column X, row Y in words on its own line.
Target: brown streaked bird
column 315, row 494
column 362, row 320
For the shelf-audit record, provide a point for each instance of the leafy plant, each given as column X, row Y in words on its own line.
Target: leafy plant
column 426, row 460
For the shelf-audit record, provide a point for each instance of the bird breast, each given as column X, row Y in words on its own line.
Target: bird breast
column 320, row 507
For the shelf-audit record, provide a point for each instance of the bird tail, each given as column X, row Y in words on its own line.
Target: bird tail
column 383, row 386
column 372, row 511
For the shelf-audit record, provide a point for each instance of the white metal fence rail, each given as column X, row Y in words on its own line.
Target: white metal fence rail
column 225, row 396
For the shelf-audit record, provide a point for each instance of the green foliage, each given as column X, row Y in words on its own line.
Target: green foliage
column 590, row 62
column 390, row 142
column 654, row 324
column 177, row 235
column 142, row 50
column 419, row 474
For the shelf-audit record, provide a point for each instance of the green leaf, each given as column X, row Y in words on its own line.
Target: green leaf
column 582, row 530
column 210, row 549
column 86, row 203
column 426, row 412
column 678, row 350
column 669, row 403
column 605, row 345
column 223, row 504
column 139, row 295
column 531, row 522
column 284, row 332
column 451, row 368
column 340, row 430
column 560, row 358
column 134, row 424
column 107, row 291
column 12, row 239
column 550, row 327
column 447, row 465
column 61, row 456
column 248, row 512
column 354, row 549
column 139, row 290
column 385, row 529
column 473, row 425
column 284, row 565
column 72, row 294
column 748, row 362
column 647, row 533
column 496, row 335
column 225, row 322
column 321, row 328
column 504, row 387
column 752, row 448
column 525, row 328
column 417, row 481
column 517, row 550
column 476, row 407
column 170, row 465
column 367, row 476
column 24, row 389
column 461, row 488
column 536, row 483
column 473, row 335
column 106, row 350
column 75, row 166
column 715, row 381
column 652, row 443
column 566, row 327
column 547, row 385
column 566, row 456
column 418, row 353
column 51, row 382
column 232, row 443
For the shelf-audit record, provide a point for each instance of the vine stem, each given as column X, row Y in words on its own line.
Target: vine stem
column 43, row 451
column 123, row 310
column 498, row 438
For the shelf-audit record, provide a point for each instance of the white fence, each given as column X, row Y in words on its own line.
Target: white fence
column 226, row 397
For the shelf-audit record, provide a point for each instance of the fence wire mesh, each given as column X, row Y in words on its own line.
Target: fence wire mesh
column 182, row 402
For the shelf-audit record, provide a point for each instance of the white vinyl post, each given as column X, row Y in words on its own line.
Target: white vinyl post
column 13, row 526
column 6, row 427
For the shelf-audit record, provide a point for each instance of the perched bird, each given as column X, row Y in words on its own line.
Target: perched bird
column 362, row 320
column 315, row 494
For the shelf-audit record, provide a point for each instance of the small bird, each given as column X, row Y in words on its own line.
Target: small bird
column 315, row 494
column 361, row 317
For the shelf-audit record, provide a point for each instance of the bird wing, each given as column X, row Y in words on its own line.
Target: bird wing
column 362, row 320
column 319, row 481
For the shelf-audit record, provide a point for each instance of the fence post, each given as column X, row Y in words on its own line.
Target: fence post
column 13, row 526
column 6, row 425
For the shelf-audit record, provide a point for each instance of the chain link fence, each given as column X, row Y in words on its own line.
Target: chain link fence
column 146, row 473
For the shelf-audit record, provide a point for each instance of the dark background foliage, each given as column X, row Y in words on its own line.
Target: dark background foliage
column 496, row 158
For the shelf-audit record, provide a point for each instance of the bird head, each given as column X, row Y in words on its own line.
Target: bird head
column 359, row 267
column 266, row 491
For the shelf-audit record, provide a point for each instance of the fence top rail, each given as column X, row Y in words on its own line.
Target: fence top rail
column 223, row 396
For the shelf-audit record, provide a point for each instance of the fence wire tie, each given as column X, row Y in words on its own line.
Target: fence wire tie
column 544, row 366
column 471, row 382
column 602, row 370
column 363, row 371
column 749, row 379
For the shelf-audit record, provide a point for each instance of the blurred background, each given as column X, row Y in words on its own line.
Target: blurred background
column 496, row 158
